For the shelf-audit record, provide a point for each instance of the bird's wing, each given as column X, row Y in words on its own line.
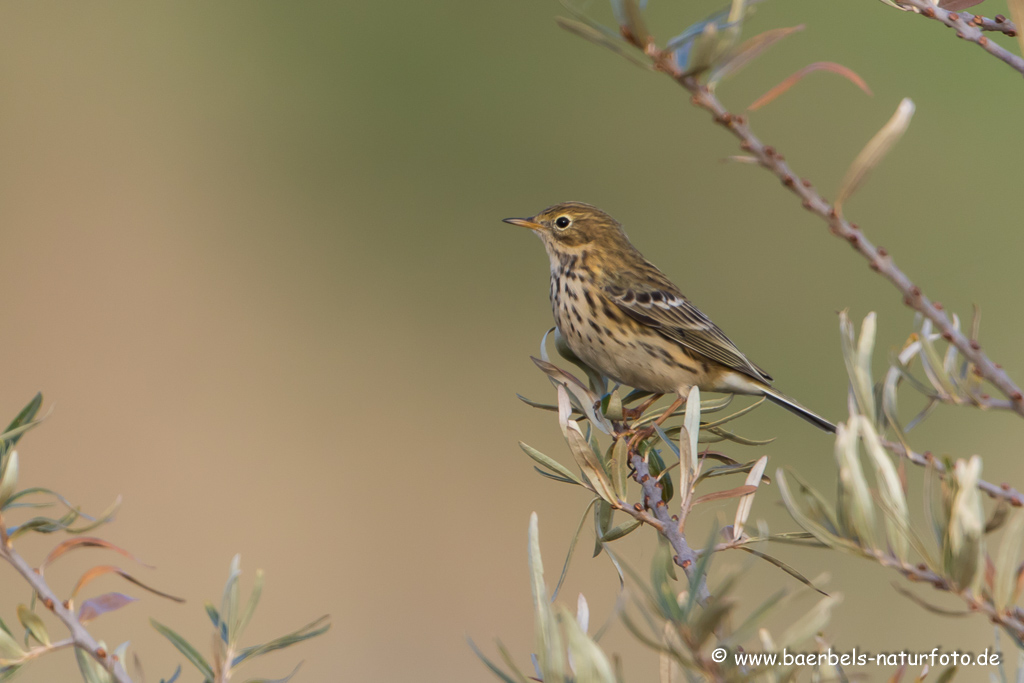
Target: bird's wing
column 661, row 306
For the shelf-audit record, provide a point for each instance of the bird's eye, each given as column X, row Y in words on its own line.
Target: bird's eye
column 562, row 221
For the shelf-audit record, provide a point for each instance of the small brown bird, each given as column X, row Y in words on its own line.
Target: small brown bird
column 624, row 318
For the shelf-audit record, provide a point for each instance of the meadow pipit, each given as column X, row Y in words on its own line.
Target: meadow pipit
column 624, row 318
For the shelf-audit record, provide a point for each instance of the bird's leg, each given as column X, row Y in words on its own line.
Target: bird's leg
column 638, row 412
column 647, row 431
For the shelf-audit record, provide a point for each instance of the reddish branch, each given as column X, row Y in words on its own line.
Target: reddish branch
column 878, row 258
column 972, row 28
column 79, row 635
column 998, row 23
column 997, row 491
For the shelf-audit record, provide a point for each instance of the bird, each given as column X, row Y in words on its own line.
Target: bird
column 623, row 317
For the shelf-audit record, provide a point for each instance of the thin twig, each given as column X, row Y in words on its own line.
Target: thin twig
column 878, row 258
column 79, row 635
column 920, row 573
column 969, row 29
column 997, row 491
column 41, row 650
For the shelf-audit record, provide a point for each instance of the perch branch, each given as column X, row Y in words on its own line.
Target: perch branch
column 685, row 556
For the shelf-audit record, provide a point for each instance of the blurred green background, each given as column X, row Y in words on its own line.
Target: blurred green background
column 252, row 254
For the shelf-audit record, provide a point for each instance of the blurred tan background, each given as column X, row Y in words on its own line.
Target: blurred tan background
column 251, row 253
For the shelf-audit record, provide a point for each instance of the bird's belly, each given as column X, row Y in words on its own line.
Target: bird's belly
column 626, row 351
column 636, row 367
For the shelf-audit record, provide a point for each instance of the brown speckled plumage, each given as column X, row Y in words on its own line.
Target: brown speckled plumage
column 625, row 318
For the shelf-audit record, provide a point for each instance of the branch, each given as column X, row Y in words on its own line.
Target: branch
column 997, row 23
column 1009, row 620
column 41, row 650
column 970, row 28
column 997, row 491
column 668, row 527
column 878, row 258
column 79, row 635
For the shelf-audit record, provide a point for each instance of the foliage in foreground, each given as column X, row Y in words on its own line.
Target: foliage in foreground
column 97, row 663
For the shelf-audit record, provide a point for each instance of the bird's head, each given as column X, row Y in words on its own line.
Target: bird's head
column 573, row 225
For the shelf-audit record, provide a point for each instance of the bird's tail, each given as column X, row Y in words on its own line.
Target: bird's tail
column 792, row 406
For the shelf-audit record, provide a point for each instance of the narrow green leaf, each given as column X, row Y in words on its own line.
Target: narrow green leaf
column 736, row 438
column 91, row 670
column 891, row 490
column 668, row 440
column 9, row 648
column 8, row 477
column 311, row 630
column 588, row 462
column 33, row 624
column 277, row 680
column 229, row 600
column 811, row 623
column 620, row 530
column 552, row 477
column 932, row 364
column 619, row 465
column 585, row 399
column 732, row 416
column 814, row 525
column 507, row 658
column 736, row 492
column 183, row 646
column 544, row 625
column 706, row 47
column 537, row 404
column 218, row 623
column 659, row 471
column 753, row 621
column 27, row 414
column 491, row 665
column 874, row 152
column 692, row 424
column 250, row 605
column 599, row 38
column 602, row 523
column 661, row 583
column 711, row 618
column 613, row 410
column 589, row 662
column 855, row 503
column 784, row 567
column 746, row 503
column 635, row 21
column 550, row 463
column 698, row 589
column 750, row 50
column 858, row 371
column 572, row 547
column 1005, row 582
column 967, row 525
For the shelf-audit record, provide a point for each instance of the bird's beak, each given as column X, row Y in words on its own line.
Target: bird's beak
column 524, row 222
